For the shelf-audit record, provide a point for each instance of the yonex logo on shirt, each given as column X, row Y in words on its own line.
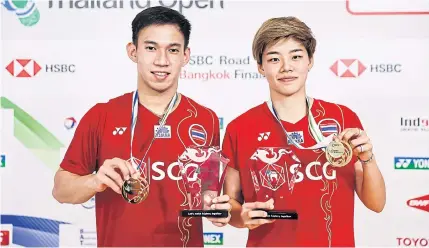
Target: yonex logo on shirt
column 264, row 136
column 119, row 130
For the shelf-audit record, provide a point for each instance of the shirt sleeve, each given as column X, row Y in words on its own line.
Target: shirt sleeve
column 82, row 153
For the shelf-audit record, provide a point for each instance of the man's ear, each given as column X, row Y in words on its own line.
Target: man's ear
column 187, row 54
column 132, row 51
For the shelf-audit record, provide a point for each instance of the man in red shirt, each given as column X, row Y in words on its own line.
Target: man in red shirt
column 141, row 134
column 280, row 158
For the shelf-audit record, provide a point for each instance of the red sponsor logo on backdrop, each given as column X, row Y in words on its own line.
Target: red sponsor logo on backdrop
column 413, row 242
column 350, row 68
column 353, row 68
column 4, row 238
column 421, row 203
column 27, row 68
column 359, row 7
column 23, row 68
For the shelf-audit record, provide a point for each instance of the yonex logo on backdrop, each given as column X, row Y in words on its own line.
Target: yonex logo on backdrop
column 213, row 238
column 411, row 163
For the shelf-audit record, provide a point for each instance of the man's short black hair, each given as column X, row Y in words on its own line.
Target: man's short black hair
column 160, row 15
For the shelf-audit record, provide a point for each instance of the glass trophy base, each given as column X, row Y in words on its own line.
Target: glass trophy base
column 279, row 215
column 205, row 213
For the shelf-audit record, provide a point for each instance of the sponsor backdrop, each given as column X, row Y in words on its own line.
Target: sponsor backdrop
column 61, row 57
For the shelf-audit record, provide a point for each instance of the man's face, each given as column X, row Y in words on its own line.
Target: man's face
column 285, row 64
column 160, row 55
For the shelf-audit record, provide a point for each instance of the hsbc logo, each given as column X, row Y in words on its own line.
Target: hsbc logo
column 354, row 68
column 23, row 68
column 27, row 68
column 348, row 68
column 421, row 203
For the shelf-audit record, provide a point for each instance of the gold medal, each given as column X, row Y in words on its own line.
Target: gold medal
column 135, row 190
column 338, row 153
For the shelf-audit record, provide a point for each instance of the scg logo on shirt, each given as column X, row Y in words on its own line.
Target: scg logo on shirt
column 158, row 171
column 310, row 173
column 213, row 238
